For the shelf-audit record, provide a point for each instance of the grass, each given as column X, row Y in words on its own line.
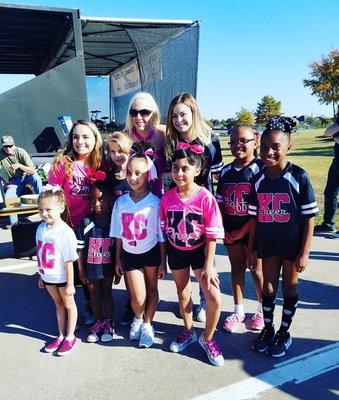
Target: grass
column 311, row 151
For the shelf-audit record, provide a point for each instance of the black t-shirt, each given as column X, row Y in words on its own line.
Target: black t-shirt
column 280, row 206
column 233, row 190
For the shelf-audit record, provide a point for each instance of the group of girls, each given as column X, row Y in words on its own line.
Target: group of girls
column 126, row 226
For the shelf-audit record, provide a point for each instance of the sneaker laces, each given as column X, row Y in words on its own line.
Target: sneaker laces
column 106, row 325
column 97, row 327
column 212, row 347
column 279, row 338
column 263, row 334
column 233, row 317
column 183, row 337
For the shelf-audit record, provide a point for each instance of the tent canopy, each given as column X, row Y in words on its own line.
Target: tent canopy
column 35, row 39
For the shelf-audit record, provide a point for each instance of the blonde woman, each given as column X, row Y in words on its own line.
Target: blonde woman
column 143, row 124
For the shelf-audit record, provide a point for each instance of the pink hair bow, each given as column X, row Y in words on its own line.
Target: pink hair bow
column 149, row 153
column 98, row 176
column 195, row 148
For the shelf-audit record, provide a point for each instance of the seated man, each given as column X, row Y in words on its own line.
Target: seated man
column 17, row 170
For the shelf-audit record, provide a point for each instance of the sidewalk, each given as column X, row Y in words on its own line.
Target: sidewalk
column 120, row 370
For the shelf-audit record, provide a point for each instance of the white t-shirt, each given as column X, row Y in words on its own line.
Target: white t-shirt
column 55, row 247
column 137, row 224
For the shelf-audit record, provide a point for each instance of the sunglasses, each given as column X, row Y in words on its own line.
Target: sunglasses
column 143, row 113
column 8, row 146
column 239, row 141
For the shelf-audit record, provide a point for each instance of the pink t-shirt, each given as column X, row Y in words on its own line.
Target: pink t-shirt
column 76, row 188
column 188, row 222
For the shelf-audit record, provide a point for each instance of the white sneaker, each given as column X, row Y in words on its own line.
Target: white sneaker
column 146, row 336
column 135, row 331
column 201, row 311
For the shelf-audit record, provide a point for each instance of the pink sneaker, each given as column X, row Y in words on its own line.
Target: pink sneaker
column 54, row 345
column 233, row 321
column 212, row 350
column 66, row 347
column 258, row 321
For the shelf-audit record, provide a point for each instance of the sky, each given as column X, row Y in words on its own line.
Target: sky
column 248, row 48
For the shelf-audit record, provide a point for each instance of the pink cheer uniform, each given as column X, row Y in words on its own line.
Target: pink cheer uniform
column 188, row 222
column 76, row 188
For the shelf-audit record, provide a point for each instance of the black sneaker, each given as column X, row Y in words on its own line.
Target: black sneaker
column 127, row 317
column 262, row 342
column 334, row 235
column 281, row 342
column 323, row 228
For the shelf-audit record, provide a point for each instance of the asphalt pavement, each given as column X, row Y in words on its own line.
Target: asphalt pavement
column 121, row 370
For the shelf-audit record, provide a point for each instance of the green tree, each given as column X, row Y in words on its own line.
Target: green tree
column 268, row 107
column 223, row 123
column 244, row 117
column 230, row 122
column 209, row 123
column 324, row 82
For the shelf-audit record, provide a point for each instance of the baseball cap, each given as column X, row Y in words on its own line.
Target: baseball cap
column 7, row 141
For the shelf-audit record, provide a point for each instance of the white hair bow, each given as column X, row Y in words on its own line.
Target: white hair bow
column 52, row 188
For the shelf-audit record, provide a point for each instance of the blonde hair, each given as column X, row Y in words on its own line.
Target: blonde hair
column 68, row 155
column 59, row 195
column 199, row 127
column 155, row 119
column 121, row 139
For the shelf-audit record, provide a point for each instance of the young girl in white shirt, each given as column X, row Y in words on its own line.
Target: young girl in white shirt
column 56, row 251
column 140, row 247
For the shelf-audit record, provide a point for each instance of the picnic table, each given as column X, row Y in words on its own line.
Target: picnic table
column 19, row 209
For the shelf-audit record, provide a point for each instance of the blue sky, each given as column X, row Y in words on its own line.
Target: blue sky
column 248, row 48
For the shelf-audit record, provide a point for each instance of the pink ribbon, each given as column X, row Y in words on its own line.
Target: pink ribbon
column 98, row 176
column 195, row 148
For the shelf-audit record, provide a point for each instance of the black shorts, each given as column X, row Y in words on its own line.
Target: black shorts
column 100, row 271
column 132, row 262
column 63, row 284
column 243, row 240
column 180, row 259
column 285, row 249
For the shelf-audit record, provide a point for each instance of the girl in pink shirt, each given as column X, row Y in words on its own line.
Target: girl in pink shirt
column 192, row 221
column 76, row 166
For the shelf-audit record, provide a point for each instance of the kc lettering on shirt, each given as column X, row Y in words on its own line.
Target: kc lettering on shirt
column 137, row 224
column 99, row 250
column 55, row 247
column 189, row 222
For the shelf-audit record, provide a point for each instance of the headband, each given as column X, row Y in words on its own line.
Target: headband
column 52, row 188
column 194, row 148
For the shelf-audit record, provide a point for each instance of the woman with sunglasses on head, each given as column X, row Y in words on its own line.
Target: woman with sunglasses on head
column 233, row 189
column 143, row 124
column 184, row 124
